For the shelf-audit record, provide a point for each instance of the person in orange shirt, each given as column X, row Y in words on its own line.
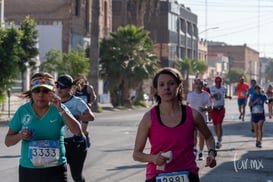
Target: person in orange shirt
column 242, row 89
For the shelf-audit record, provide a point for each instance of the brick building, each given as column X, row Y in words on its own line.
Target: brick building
column 240, row 56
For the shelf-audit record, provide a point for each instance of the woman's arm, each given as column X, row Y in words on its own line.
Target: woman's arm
column 92, row 94
column 140, row 142
column 72, row 123
column 87, row 115
column 13, row 137
column 141, row 139
column 210, row 142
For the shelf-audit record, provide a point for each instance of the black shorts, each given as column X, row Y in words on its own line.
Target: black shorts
column 49, row 174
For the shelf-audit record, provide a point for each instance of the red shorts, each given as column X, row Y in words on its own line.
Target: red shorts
column 217, row 116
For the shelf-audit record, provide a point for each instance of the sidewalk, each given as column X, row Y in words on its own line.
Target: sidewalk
column 10, row 106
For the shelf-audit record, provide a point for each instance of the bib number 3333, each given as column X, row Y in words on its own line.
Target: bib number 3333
column 44, row 152
column 181, row 176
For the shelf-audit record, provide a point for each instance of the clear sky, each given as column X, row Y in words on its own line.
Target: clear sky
column 238, row 22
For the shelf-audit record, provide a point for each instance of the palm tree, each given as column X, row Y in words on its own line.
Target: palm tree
column 126, row 60
column 187, row 67
column 199, row 67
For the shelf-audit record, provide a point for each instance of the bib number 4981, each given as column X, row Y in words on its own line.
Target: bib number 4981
column 181, row 176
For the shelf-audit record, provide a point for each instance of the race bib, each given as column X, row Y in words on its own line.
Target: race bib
column 44, row 152
column 182, row 176
column 243, row 94
column 257, row 109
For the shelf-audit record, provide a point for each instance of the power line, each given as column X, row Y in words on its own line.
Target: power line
column 240, row 30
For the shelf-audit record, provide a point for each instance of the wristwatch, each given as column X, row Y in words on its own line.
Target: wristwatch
column 214, row 152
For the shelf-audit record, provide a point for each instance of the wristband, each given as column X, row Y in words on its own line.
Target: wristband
column 214, row 152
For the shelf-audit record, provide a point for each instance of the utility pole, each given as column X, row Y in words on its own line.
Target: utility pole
column 2, row 23
column 206, row 19
column 94, row 50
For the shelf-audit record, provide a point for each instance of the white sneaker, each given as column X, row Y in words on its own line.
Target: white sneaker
column 218, row 145
column 200, row 156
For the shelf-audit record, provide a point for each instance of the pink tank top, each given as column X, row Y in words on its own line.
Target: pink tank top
column 178, row 139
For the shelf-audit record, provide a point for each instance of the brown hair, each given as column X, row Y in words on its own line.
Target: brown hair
column 176, row 75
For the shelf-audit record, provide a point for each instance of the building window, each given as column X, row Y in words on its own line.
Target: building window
column 183, row 25
column 77, row 7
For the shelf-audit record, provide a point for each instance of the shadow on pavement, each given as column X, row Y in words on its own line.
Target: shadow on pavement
column 244, row 129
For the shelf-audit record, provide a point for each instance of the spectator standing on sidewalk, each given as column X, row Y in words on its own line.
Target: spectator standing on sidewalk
column 269, row 95
column 257, row 101
column 218, row 95
column 242, row 88
column 170, row 126
column 39, row 125
column 199, row 100
column 76, row 146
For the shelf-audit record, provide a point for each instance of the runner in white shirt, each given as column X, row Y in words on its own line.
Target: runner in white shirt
column 199, row 100
column 218, row 95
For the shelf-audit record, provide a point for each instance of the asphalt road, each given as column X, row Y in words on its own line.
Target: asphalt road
column 110, row 156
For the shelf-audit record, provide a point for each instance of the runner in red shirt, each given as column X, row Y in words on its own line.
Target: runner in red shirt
column 242, row 89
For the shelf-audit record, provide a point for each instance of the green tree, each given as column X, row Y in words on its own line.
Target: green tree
column 233, row 75
column 199, row 67
column 126, row 60
column 53, row 63
column 76, row 62
column 73, row 63
column 9, row 50
column 29, row 45
column 185, row 67
column 188, row 67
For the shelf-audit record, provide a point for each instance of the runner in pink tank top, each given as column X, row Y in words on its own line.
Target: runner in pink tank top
column 169, row 127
